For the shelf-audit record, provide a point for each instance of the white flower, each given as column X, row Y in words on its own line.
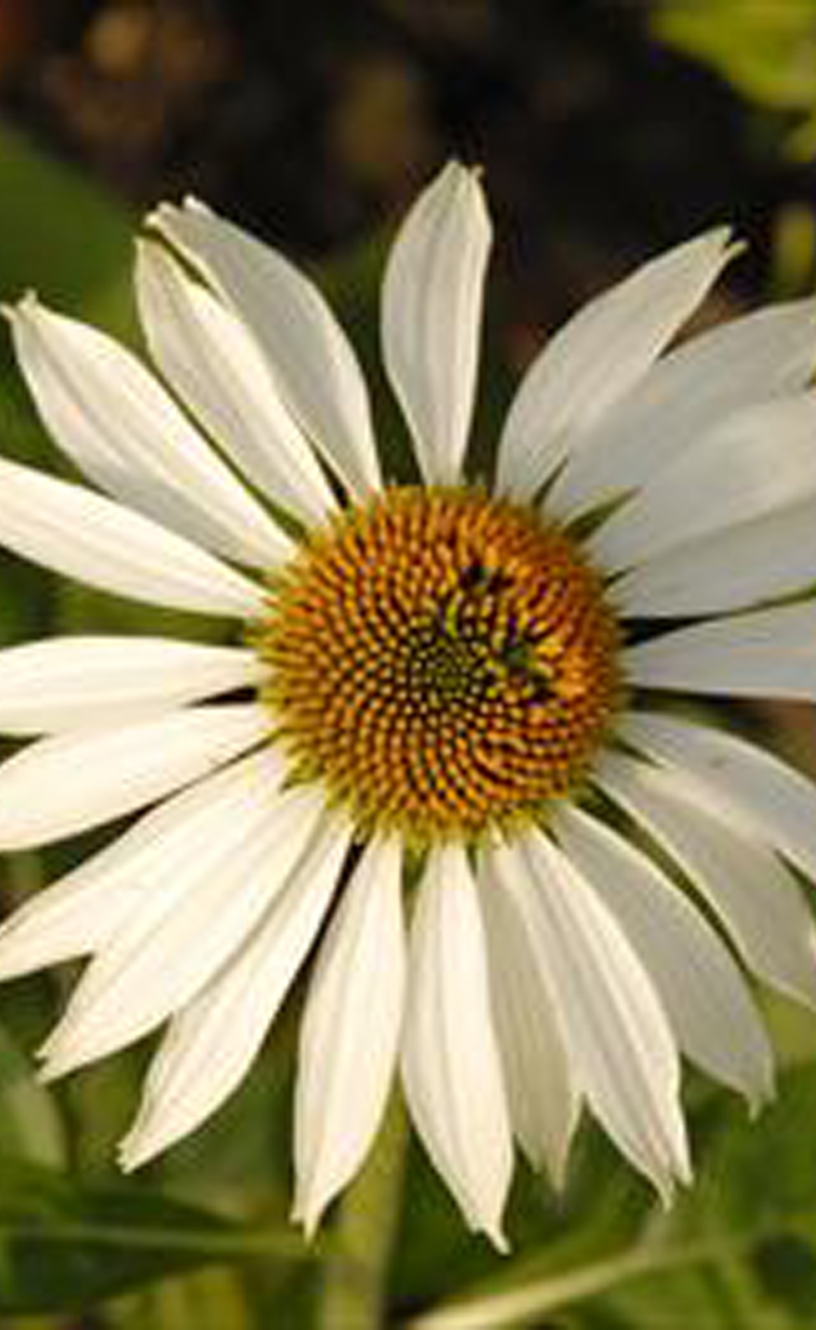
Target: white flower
column 432, row 672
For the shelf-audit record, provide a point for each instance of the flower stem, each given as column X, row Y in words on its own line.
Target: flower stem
column 358, row 1261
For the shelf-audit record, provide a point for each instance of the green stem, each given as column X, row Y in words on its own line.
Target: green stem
column 358, row 1261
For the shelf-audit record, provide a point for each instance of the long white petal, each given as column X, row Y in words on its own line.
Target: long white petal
column 171, row 948
column 79, row 533
column 212, row 361
column 701, row 988
column 211, row 1044
column 109, row 414
column 754, row 463
column 349, row 1035
column 771, row 652
column 751, row 890
column 451, row 1063
column 69, row 782
column 743, row 566
column 81, row 911
column 768, row 354
column 740, row 782
column 620, row 1041
column 432, row 314
column 544, row 1101
column 599, row 356
column 310, row 357
column 65, row 683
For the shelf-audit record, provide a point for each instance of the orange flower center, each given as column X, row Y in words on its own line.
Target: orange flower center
column 443, row 662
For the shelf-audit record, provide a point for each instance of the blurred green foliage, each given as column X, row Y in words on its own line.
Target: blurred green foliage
column 765, row 48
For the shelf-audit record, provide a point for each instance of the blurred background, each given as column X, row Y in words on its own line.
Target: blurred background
column 606, row 131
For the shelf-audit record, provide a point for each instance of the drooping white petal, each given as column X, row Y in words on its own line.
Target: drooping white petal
column 65, row 683
column 544, row 1100
column 771, row 652
column 451, row 1063
column 620, row 1041
column 751, row 890
column 599, row 356
column 754, row 463
column 184, row 933
column 109, row 414
column 350, row 1032
column 768, row 354
column 212, row 361
column 79, row 533
column 69, row 782
column 728, row 570
column 212, row 1042
column 81, row 911
column 309, row 355
column 432, row 314
column 746, row 786
column 705, row 997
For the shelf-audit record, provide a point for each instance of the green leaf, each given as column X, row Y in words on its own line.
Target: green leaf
column 32, row 1127
column 67, row 1247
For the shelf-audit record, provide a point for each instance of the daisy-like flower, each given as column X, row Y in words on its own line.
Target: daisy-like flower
column 475, row 681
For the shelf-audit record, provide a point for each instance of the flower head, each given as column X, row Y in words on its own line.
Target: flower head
column 478, row 678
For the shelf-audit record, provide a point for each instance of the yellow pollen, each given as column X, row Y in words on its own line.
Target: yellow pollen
column 443, row 662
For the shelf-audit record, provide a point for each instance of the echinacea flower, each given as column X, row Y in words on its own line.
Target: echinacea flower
column 479, row 681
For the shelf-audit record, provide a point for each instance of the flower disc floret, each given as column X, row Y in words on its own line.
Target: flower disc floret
column 441, row 661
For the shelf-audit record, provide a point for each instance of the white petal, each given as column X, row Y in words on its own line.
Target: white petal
column 310, row 357
column 544, row 1101
column 432, row 314
column 211, row 1044
column 621, row 1045
column 350, row 1032
column 122, row 430
column 211, row 360
column 771, row 652
column 65, row 683
column 451, row 1065
column 754, row 463
column 768, row 354
column 80, row 912
column 599, row 356
column 753, row 893
column 69, row 782
column 728, row 570
column 185, row 932
column 79, row 533
column 743, row 784
column 706, row 1000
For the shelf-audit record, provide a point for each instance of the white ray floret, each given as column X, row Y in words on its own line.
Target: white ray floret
column 706, row 999
column 213, row 1041
column 735, row 474
column 451, row 1064
column 599, row 356
column 765, row 355
column 88, row 537
column 620, row 1041
column 213, row 363
column 432, row 316
column 543, row 1097
column 123, row 769
column 113, row 418
column 770, row 653
column 740, row 877
column 312, row 361
column 343, row 1079
column 65, row 683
